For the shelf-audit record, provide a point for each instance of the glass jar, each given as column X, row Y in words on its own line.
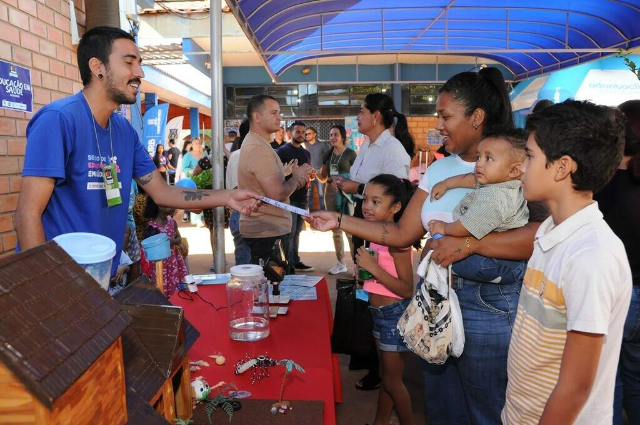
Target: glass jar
column 248, row 298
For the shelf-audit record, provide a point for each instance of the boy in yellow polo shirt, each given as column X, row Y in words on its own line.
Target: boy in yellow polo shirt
column 566, row 338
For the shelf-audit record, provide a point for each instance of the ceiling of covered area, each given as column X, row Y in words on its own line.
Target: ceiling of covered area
column 529, row 37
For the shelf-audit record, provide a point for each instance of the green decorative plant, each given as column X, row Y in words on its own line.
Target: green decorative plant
column 220, row 401
column 179, row 421
column 289, row 365
column 633, row 67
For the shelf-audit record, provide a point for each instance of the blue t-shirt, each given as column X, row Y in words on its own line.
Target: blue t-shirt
column 61, row 144
column 442, row 209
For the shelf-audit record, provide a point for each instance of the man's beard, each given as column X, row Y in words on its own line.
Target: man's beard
column 118, row 96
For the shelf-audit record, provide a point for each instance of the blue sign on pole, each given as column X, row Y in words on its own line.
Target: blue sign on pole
column 15, row 91
column 155, row 125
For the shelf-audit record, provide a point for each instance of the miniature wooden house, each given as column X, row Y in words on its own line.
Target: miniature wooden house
column 156, row 346
column 60, row 346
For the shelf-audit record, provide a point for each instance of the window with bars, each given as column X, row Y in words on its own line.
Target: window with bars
column 420, row 99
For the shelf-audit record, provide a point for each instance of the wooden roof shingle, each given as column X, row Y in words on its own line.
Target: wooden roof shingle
column 56, row 320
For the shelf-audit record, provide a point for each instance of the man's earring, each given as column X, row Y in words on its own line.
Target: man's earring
column 100, row 76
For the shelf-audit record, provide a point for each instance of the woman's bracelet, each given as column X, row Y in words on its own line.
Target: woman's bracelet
column 468, row 241
column 340, row 219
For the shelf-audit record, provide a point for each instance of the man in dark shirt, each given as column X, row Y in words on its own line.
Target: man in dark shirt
column 287, row 153
column 173, row 154
column 278, row 139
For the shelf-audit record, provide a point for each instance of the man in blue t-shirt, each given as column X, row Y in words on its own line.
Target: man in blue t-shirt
column 73, row 142
column 287, row 153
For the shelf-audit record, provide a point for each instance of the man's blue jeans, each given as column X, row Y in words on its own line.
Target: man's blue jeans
column 627, row 393
column 471, row 389
column 316, row 182
column 242, row 251
column 297, row 224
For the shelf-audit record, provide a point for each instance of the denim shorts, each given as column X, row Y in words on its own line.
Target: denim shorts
column 385, row 319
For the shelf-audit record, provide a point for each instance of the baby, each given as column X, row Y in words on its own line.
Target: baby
column 497, row 203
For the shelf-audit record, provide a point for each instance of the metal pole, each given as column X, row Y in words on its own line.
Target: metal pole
column 217, row 132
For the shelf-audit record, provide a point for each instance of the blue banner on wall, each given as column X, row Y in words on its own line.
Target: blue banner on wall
column 15, row 91
column 155, row 125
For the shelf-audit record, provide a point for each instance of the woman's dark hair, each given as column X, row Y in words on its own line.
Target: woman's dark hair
column 384, row 104
column 400, row 190
column 343, row 132
column 631, row 109
column 484, row 90
column 157, row 155
column 151, row 210
column 245, row 127
column 185, row 147
column 97, row 43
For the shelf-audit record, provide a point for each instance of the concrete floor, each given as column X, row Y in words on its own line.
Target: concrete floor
column 316, row 249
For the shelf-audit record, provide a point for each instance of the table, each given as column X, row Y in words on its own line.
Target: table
column 302, row 335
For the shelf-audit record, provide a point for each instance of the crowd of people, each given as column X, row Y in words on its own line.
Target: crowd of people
column 540, row 227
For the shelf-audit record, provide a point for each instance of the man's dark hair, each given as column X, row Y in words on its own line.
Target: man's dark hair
column 312, row 129
column 592, row 135
column 516, row 137
column 297, row 123
column 172, row 142
column 97, row 43
column 256, row 103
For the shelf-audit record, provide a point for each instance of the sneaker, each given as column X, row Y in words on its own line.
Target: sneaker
column 186, row 217
column 302, row 267
column 338, row 268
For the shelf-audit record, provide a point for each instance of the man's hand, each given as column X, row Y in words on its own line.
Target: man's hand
column 244, row 201
column 289, row 166
column 302, row 173
column 438, row 191
column 322, row 220
column 448, row 250
column 366, row 260
column 435, row 227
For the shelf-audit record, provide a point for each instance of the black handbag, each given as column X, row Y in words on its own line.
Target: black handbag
column 352, row 324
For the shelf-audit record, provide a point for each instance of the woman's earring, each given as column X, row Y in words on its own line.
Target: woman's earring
column 374, row 122
column 100, row 76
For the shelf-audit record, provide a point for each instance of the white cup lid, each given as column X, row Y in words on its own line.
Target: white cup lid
column 246, row 270
column 87, row 248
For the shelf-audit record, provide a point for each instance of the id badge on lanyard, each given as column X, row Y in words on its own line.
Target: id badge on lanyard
column 111, row 186
column 333, row 170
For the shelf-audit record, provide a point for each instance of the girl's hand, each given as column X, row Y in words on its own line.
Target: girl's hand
column 438, row 191
column 436, row 226
column 366, row 260
column 244, row 201
column 322, row 220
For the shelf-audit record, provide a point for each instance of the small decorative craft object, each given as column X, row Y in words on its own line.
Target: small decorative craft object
column 260, row 366
column 284, row 406
column 219, row 358
column 199, row 389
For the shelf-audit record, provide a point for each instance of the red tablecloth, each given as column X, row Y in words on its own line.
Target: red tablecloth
column 302, row 335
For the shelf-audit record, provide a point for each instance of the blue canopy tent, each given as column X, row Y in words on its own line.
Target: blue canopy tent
column 528, row 37
column 607, row 81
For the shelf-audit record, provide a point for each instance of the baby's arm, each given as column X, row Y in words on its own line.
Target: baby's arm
column 461, row 181
column 449, row 229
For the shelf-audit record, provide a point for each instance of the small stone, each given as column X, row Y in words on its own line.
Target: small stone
column 220, row 360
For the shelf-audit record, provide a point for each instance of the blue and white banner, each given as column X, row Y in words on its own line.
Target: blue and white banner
column 155, row 126
column 16, row 92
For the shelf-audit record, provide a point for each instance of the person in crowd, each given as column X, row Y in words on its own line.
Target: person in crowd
column 162, row 162
column 471, row 388
column 383, row 153
column 242, row 252
column 338, row 162
column 317, row 148
column 419, row 164
column 575, row 296
column 120, row 280
column 390, row 290
column 261, row 171
column 173, row 155
column 497, row 203
column 90, row 144
column 189, row 161
column 619, row 203
column 131, row 241
column 174, row 268
column 289, row 153
column 278, row 139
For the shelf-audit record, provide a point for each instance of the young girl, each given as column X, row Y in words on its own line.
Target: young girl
column 390, row 291
column 174, row 267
